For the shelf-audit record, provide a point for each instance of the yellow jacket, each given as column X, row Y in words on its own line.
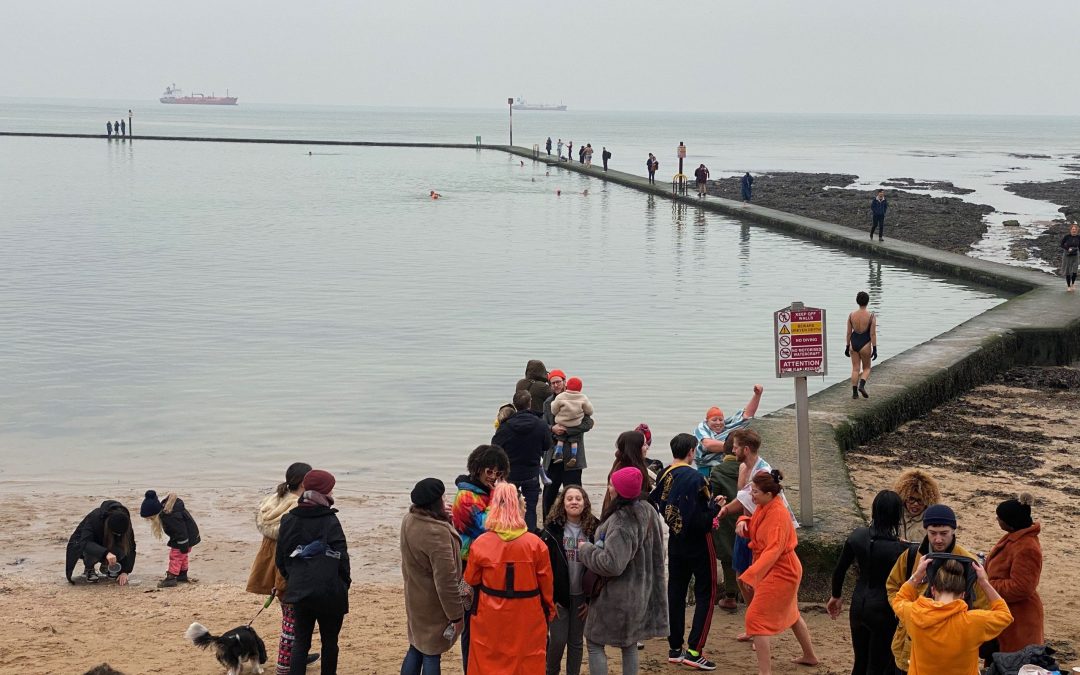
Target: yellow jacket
column 901, row 644
column 945, row 637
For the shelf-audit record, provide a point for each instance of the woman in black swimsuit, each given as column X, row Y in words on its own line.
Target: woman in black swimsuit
column 861, row 344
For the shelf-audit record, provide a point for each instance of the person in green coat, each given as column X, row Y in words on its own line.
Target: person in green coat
column 724, row 480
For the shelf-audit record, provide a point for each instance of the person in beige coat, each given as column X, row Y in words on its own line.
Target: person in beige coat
column 570, row 409
column 265, row 578
column 431, row 568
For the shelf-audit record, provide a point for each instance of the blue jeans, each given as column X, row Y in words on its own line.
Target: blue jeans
column 417, row 663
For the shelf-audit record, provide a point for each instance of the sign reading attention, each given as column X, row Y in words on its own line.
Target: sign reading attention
column 800, row 341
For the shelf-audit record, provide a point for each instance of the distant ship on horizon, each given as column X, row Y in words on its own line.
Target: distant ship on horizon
column 520, row 104
column 174, row 95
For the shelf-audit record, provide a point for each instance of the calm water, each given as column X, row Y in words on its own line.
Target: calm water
column 208, row 313
column 975, row 152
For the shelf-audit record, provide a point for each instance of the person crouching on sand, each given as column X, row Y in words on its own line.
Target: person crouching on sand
column 103, row 537
column 171, row 518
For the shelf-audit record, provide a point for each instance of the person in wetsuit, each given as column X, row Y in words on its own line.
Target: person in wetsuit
column 861, row 344
column 875, row 550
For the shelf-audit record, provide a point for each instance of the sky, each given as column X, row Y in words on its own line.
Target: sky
column 796, row 56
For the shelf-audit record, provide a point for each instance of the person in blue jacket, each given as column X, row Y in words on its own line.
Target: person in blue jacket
column 878, row 206
column 747, row 185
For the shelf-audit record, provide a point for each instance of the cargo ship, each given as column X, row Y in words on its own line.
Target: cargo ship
column 174, row 95
column 520, row 104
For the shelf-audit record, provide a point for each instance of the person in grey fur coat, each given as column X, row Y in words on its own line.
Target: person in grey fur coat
column 628, row 551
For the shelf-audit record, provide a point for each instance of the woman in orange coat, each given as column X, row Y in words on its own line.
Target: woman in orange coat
column 510, row 569
column 775, row 573
column 1013, row 567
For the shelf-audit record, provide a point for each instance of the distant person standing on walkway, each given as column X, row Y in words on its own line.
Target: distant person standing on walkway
column 123, row 128
column 588, row 154
column 878, row 206
column 650, row 165
column 569, row 151
column 581, row 155
column 605, row 155
column 861, row 344
column 1070, row 257
column 747, row 187
column 116, row 127
column 108, row 129
column 548, row 145
column 558, row 149
column 702, row 176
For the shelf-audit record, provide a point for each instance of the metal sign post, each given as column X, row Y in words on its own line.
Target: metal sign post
column 799, row 339
column 510, row 102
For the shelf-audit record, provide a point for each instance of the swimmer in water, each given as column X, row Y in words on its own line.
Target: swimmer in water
column 435, row 195
column 547, row 173
column 558, row 193
column 523, row 163
column 585, row 193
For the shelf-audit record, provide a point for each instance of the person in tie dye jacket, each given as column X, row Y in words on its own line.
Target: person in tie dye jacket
column 487, row 465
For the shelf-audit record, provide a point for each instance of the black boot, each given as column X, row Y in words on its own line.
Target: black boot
column 862, row 389
column 183, row 577
column 854, row 392
column 168, row 582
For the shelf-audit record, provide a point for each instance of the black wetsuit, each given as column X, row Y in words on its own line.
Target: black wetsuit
column 872, row 619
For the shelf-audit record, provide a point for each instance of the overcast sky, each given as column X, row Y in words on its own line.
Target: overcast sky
column 906, row 56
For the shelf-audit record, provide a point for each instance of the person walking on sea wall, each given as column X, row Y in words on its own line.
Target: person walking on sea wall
column 861, row 344
column 746, row 186
column 116, row 128
column 548, row 145
column 558, row 149
column 123, row 129
column 605, row 155
column 265, row 578
column 431, row 570
column 878, row 206
column 1070, row 256
column 108, row 129
column 651, row 165
column 701, row 174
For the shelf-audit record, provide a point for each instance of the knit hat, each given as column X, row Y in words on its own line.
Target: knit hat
column 645, row 431
column 1016, row 513
column 552, row 374
column 319, row 481
column 938, row 514
column 118, row 523
column 627, row 482
column 573, row 384
column 151, row 506
column 427, row 491
column 714, row 412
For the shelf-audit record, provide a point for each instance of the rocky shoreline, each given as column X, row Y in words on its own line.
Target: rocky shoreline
column 946, row 223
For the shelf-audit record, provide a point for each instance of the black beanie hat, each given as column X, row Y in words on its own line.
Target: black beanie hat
column 151, row 506
column 939, row 514
column 118, row 523
column 1015, row 513
column 427, row 492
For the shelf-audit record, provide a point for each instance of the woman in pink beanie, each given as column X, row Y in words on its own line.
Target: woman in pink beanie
column 629, row 553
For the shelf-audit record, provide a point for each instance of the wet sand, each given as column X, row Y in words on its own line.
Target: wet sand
column 1017, row 433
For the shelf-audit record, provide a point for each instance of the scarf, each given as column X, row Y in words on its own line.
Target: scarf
column 310, row 499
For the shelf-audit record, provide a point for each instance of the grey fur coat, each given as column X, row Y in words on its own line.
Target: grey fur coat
column 633, row 604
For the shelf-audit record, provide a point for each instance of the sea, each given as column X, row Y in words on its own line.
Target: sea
column 207, row 313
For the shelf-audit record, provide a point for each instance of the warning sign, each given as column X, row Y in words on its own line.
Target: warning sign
column 799, row 341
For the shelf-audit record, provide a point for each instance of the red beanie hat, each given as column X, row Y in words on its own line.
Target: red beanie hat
column 552, row 374
column 319, row 481
column 644, row 429
column 573, row 384
column 714, row 412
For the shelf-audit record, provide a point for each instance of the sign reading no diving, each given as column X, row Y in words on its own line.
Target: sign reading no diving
column 799, row 341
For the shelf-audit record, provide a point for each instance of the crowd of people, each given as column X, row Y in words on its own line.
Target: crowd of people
column 530, row 593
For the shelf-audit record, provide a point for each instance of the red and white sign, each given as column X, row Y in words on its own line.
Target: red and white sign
column 799, row 336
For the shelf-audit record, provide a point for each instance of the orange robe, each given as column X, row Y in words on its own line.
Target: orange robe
column 1014, row 566
column 508, row 636
column 775, row 573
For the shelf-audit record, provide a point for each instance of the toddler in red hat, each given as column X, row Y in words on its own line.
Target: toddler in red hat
column 569, row 409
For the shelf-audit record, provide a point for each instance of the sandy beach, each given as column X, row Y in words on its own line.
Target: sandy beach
column 1017, row 433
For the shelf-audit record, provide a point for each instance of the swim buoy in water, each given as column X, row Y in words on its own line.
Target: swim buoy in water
column 558, row 193
column 435, row 195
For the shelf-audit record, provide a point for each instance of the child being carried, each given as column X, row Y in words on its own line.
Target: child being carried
column 569, row 409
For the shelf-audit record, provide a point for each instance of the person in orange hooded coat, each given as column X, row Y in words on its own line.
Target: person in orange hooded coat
column 945, row 634
column 775, row 574
column 511, row 571
column 1013, row 567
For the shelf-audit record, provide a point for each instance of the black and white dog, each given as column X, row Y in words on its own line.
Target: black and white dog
column 239, row 647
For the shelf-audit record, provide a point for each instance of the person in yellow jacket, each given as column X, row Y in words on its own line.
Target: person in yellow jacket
column 940, row 524
column 945, row 634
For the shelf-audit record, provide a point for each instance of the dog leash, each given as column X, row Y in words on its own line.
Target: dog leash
column 270, row 599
